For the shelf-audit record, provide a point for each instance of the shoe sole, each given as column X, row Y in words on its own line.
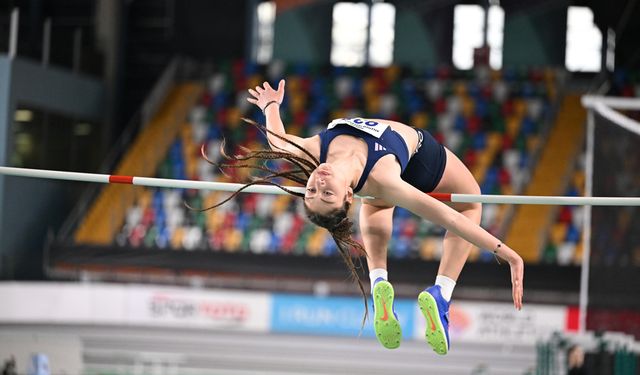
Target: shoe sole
column 385, row 324
column 434, row 332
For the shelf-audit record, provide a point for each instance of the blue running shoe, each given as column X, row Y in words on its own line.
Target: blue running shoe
column 436, row 312
column 385, row 321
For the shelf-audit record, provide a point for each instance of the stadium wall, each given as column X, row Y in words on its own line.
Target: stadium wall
column 50, row 89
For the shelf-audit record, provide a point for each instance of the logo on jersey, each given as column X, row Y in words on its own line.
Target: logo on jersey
column 378, row 147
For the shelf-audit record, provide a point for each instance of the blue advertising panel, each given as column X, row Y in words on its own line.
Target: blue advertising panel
column 331, row 315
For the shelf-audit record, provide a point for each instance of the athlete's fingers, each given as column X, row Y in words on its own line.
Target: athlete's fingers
column 253, row 92
column 520, row 299
column 253, row 101
column 517, row 294
column 517, row 281
column 259, row 89
column 281, row 85
column 267, row 86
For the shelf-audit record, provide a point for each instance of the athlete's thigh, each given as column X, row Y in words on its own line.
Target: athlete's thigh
column 457, row 179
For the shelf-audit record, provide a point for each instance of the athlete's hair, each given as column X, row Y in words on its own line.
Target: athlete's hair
column 337, row 221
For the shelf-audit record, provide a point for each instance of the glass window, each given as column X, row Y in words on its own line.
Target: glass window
column 349, row 34
column 265, row 19
column 468, row 34
column 48, row 140
column 584, row 41
column 495, row 35
column 383, row 18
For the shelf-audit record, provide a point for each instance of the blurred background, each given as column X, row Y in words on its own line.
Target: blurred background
column 120, row 279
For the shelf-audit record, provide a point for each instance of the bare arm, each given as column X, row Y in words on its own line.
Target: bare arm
column 269, row 100
column 404, row 195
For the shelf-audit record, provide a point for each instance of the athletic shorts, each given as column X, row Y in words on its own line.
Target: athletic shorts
column 426, row 166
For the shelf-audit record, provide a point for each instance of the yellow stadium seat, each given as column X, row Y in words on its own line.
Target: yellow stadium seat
column 577, row 256
column 145, row 198
column 233, row 117
column 512, row 126
column 281, row 204
column 558, row 233
column 214, row 219
column 391, row 73
column 255, row 80
column 370, row 87
column 177, row 237
column 428, row 248
column 294, row 86
column 373, row 104
column 519, row 108
column 232, row 240
column 460, row 89
column 338, row 113
column 298, row 102
column 468, row 106
column 579, row 180
column 532, row 143
column 420, row 120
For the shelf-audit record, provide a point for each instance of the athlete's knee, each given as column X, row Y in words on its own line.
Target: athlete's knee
column 475, row 209
column 474, row 187
column 378, row 232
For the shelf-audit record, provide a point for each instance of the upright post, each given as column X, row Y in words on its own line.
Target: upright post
column 46, row 42
column 13, row 33
column 586, row 225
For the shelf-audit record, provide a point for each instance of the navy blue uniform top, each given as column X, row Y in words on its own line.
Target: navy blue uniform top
column 379, row 142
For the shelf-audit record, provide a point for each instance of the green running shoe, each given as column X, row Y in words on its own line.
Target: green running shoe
column 385, row 321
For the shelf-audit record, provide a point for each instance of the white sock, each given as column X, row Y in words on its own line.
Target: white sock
column 446, row 286
column 375, row 273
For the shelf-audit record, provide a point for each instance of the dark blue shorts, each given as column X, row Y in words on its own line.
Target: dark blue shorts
column 426, row 167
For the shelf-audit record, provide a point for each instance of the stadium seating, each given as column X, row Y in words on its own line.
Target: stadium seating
column 564, row 242
column 491, row 119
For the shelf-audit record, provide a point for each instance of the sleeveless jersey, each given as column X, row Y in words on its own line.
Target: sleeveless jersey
column 380, row 138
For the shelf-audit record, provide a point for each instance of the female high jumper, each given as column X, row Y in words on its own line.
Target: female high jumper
column 395, row 164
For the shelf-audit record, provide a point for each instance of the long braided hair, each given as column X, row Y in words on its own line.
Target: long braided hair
column 337, row 222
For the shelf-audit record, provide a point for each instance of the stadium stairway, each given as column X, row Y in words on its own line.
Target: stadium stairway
column 532, row 222
column 106, row 214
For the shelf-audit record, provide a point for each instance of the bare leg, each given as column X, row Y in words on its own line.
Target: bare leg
column 376, row 223
column 457, row 179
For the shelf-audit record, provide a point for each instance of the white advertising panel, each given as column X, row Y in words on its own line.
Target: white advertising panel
column 75, row 303
column 499, row 322
column 222, row 309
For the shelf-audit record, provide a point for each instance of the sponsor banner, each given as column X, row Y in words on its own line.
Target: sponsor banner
column 76, row 303
column 499, row 322
column 331, row 315
column 183, row 308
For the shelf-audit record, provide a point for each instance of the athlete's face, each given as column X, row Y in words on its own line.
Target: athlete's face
column 327, row 190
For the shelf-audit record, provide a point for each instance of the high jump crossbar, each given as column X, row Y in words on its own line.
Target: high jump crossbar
column 269, row 189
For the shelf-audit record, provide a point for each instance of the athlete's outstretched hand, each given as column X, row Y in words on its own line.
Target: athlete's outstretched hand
column 265, row 94
column 517, row 280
